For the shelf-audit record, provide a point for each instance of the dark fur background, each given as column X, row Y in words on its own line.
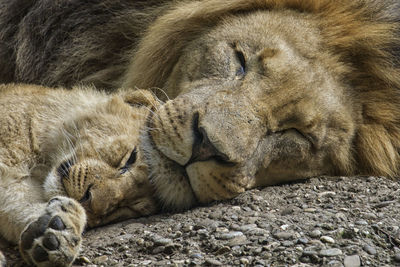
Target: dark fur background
column 60, row 42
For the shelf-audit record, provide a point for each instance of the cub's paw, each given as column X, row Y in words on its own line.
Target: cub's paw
column 54, row 239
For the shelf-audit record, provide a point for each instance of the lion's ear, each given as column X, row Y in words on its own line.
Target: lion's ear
column 139, row 98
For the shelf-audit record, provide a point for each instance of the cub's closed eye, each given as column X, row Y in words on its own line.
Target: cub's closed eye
column 131, row 160
column 64, row 168
column 88, row 195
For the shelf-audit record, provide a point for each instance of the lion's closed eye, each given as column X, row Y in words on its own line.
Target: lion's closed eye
column 242, row 60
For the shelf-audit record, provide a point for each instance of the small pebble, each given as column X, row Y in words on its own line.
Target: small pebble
column 100, row 260
column 160, row 241
column 158, row 250
column 284, row 227
column 244, row 261
column 310, row 210
column 309, row 251
column 326, row 194
column 287, row 243
column 370, row 250
column 231, row 235
column 302, row 240
column 187, row 228
column 315, row 234
column 361, row 222
column 327, row 239
column 213, row 262
column 352, row 261
column 238, row 241
column 334, row 263
column 299, row 249
column 330, row 252
column 370, row 216
column 223, row 250
column 247, row 227
column 283, row 235
column 196, row 255
column 287, row 211
column 397, row 257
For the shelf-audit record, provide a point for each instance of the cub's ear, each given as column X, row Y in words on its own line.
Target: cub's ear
column 139, row 98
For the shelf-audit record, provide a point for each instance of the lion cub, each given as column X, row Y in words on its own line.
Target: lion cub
column 69, row 158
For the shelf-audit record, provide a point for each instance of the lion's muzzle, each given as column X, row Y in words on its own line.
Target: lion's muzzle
column 211, row 140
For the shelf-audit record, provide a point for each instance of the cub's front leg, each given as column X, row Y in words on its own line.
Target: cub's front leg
column 54, row 239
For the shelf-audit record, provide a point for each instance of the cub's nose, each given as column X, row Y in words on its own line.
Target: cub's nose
column 203, row 149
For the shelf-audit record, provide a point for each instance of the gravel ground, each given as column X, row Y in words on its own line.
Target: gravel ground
column 319, row 222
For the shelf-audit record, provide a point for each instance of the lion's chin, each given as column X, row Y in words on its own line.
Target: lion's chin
column 172, row 186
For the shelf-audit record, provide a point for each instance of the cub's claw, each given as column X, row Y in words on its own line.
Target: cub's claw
column 54, row 239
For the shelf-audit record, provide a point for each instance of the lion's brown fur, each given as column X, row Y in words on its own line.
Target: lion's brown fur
column 361, row 35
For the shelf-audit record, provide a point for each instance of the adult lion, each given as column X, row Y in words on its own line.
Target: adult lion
column 264, row 91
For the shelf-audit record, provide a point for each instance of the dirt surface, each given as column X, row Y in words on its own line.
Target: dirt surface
column 319, row 222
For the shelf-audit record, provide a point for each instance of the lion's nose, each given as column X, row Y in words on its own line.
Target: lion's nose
column 203, row 149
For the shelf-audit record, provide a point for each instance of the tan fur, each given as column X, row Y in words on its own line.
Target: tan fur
column 75, row 143
column 320, row 94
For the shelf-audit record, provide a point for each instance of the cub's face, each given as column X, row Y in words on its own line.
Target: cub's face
column 257, row 103
column 100, row 164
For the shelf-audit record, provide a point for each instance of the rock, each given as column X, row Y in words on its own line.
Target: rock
column 327, row 239
column 203, row 233
column 283, row 235
column 352, row 261
column 237, row 241
column 288, row 243
column 187, row 228
column 158, row 250
column 231, row 235
column 284, row 227
column 213, row 262
column 100, row 259
column 244, row 261
column 309, row 251
column 369, row 249
column 310, row 210
column 326, row 194
column 247, row 227
column 370, row 216
column 140, row 241
column 196, row 255
column 361, row 222
column 334, row 264
column 160, row 241
column 330, row 252
column 223, row 250
column 397, row 257
column 315, row 234
column 287, row 211
column 258, row 232
column 302, row 240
